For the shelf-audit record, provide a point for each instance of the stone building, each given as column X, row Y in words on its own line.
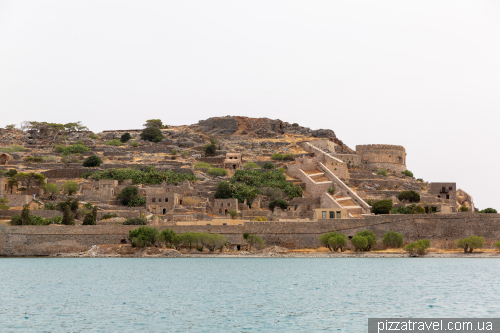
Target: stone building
column 223, row 206
column 447, row 191
column 330, row 213
column 232, row 161
column 160, row 201
column 388, row 157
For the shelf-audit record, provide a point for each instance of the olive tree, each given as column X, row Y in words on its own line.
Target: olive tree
column 471, row 243
column 213, row 241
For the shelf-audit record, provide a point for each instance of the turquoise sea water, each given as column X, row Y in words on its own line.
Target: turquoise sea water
column 238, row 295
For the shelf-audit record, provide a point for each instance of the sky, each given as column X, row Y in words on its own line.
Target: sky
column 421, row 74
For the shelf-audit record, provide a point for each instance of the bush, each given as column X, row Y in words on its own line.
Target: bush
column 420, row 180
column 369, row 236
column 223, row 191
column 174, row 152
column 471, row 243
column 3, row 204
column 255, row 240
column 92, row 161
column 127, row 194
column 295, row 125
column 382, row 207
column 282, row 170
column 149, row 176
column 202, row 165
column 488, row 211
column 49, row 206
column 233, row 214
column 154, row 123
column 261, row 219
column 407, row 173
column 497, row 245
column 382, row 172
column 289, row 157
column 273, row 192
column 144, row 236
column 12, row 149
column 108, row 216
column 331, row 190
column 278, row 157
column 114, row 142
column 333, row 241
column 68, row 218
column 152, row 134
column 210, row 150
column 417, row 247
column 134, row 144
column 52, row 189
column 94, row 136
column 136, row 221
column 418, row 210
column 464, row 209
column 392, row 239
column 89, row 219
column 410, row 196
column 217, row 172
column 125, row 137
column 250, row 165
column 185, row 153
column 268, row 165
column 70, row 187
column 71, row 203
column 74, row 149
column 280, row 203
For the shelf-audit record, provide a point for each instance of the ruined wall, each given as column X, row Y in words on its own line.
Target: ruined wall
column 46, row 240
column 17, row 200
column 65, row 173
column 388, row 157
column 350, row 159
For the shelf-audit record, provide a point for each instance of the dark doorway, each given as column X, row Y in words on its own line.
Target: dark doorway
column 164, row 211
column 238, row 247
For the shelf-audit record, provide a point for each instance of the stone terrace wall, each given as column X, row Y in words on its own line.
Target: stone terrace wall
column 46, row 240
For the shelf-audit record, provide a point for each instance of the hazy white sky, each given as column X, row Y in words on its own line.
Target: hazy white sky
column 422, row 74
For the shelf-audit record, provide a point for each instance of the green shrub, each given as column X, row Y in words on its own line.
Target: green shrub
column 68, row 218
column 144, row 236
column 418, row 210
column 464, row 209
column 127, row 194
column 70, row 187
column 108, row 216
column 407, row 173
column 49, row 206
column 361, row 236
column 134, row 144
column 392, row 239
column 331, row 190
column 223, row 191
column 185, row 153
column 497, row 245
column 410, row 196
column 93, row 136
column 12, row 149
column 417, row 247
column 152, row 134
column 333, row 241
column 70, row 202
column 149, row 176
column 34, row 159
column 74, row 149
column 114, row 142
column 420, row 180
column 233, row 214
column 471, row 243
column 92, row 161
column 210, row 150
column 268, row 165
column 488, row 211
column 382, row 172
column 280, row 203
column 89, row 219
column 136, row 221
column 250, row 165
column 3, row 204
column 255, row 240
column 174, row 152
column 125, row 137
column 289, row 157
column 295, row 125
column 202, row 165
column 382, row 207
column 282, row 170
column 217, row 172
column 52, row 189
column 278, row 157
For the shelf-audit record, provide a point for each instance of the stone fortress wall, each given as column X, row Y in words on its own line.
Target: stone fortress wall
column 439, row 228
column 388, row 157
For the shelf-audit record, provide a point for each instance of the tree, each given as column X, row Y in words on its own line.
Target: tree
column 70, row 187
column 72, row 203
column 213, row 241
column 361, row 238
column 255, row 240
column 392, row 239
column 168, row 236
column 359, row 242
column 154, row 123
column 223, row 191
column 210, row 150
column 127, row 194
column 268, row 165
column 488, row 211
column 407, row 173
column 68, row 217
column 3, row 204
column 152, row 134
column 28, row 179
column 190, row 239
column 144, row 236
column 92, row 161
column 136, row 221
column 382, row 207
column 418, row 210
column 471, row 243
column 89, row 219
column 52, row 189
column 125, row 137
column 337, row 242
column 280, row 203
column 417, row 247
column 410, row 196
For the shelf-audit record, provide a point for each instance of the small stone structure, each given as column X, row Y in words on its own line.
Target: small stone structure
column 161, row 201
column 4, row 158
column 330, row 213
column 388, row 157
column 232, row 161
column 223, row 206
column 447, row 191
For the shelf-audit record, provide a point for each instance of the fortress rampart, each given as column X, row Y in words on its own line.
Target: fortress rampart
column 390, row 157
column 440, row 229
